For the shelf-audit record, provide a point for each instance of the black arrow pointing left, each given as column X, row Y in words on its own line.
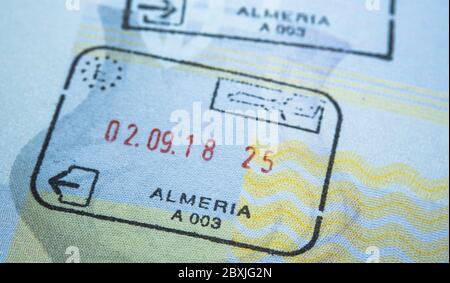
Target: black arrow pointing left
column 58, row 183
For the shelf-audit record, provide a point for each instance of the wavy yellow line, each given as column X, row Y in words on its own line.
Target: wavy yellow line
column 390, row 234
column 282, row 212
column 347, row 193
column 370, row 176
column 393, row 235
column 438, row 250
column 286, row 213
column 399, row 173
column 416, row 250
column 391, row 204
column 327, row 253
column 284, row 181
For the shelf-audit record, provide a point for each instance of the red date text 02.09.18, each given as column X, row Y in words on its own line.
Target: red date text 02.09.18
column 163, row 142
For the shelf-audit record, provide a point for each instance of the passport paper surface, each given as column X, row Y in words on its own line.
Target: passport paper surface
column 224, row 131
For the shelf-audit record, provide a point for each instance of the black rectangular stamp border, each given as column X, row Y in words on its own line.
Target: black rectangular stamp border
column 51, row 128
column 388, row 55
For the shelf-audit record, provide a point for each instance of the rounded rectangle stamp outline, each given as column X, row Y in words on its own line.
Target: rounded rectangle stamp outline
column 78, row 209
column 170, row 28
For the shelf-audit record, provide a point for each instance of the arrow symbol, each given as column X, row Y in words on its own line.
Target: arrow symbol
column 75, row 178
column 56, row 183
column 168, row 9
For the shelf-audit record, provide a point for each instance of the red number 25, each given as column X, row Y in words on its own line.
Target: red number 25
column 266, row 158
